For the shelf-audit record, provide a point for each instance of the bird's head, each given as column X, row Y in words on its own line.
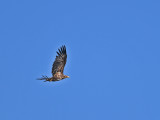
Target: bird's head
column 65, row 76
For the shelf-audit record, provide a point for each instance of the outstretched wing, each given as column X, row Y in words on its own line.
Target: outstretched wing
column 60, row 61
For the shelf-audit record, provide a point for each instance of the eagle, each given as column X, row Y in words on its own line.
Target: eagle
column 58, row 66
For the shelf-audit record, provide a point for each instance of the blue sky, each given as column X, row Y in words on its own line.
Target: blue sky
column 113, row 59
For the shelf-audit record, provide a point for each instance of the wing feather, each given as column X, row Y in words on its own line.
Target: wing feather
column 60, row 61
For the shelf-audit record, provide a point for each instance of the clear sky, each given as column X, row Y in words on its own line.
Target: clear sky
column 113, row 59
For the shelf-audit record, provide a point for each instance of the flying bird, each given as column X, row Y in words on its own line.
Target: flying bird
column 58, row 66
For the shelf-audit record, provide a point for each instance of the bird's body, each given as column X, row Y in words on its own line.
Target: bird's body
column 58, row 66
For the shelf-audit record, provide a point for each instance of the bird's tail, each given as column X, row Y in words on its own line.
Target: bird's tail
column 45, row 78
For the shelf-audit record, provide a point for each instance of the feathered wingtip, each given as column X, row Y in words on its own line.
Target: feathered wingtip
column 62, row 50
column 44, row 78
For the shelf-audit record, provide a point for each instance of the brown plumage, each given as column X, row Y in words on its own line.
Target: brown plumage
column 58, row 66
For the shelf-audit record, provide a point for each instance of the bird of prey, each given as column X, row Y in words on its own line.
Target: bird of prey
column 58, row 66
